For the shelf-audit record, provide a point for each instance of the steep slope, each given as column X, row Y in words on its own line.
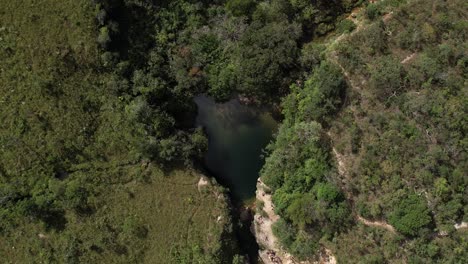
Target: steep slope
column 401, row 135
column 392, row 141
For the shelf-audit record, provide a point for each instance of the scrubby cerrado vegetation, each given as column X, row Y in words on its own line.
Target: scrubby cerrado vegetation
column 98, row 148
column 387, row 165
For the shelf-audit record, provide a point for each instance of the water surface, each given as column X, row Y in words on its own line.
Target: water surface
column 237, row 135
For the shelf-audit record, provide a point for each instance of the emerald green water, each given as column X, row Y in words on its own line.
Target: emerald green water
column 237, row 135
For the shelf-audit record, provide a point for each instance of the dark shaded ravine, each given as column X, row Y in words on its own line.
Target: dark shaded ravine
column 237, row 135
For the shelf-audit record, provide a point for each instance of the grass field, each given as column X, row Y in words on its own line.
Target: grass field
column 65, row 141
column 139, row 221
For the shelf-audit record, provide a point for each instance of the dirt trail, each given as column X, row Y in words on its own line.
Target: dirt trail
column 387, row 17
column 408, row 58
column 376, row 223
column 270, row 251
column 332, row 55
column 342, row 171
column 345, row 178
column 355, row 86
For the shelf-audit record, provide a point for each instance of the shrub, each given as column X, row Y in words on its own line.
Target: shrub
column 305, row 245
column 241, row 7
column 410, row 215
column 311, row 55
column 387, row 77
column 221, row 80
column 374, row 40
column 350, row 57
column 346, row 26
column 373, row 11
column 356, row 134
column 322, row 93
column 104, row 37
column 285, row 232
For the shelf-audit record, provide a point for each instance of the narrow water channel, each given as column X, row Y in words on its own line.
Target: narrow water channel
column 237, row 134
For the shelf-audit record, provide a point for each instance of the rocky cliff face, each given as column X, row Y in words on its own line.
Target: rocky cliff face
column 264, row 219
column 270, row 251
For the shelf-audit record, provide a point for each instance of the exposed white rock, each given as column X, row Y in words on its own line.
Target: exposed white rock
column 203, row 182
column 461, row 225
column 270, row 251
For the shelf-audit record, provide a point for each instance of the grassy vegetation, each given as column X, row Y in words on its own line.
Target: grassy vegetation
column 96, row 101
column 147, row 220
column 74, row 184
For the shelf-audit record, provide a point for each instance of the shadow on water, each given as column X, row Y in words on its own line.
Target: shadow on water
column 237, row 134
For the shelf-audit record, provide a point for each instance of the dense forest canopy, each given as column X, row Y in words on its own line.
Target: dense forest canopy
column 97, row 116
